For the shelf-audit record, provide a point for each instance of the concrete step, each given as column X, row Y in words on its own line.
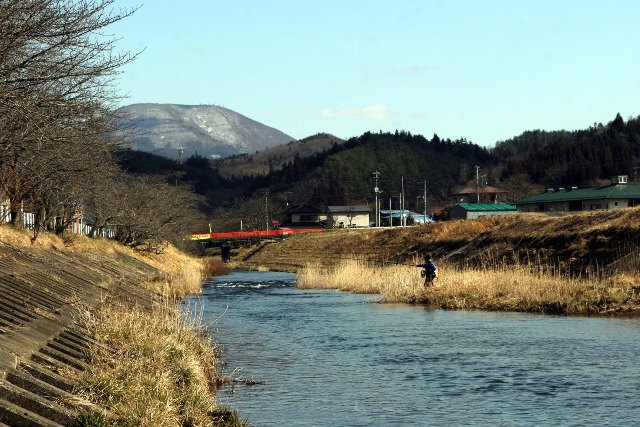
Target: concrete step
column 64, row 358
column 83, row 339
column 5, row 325
column 10, row 321
column 72, row 345
column 15, row 310
column 48, row 285
column 66, row 350
column 41, row 388
column 41, row 341
column 16, row 416
column 50, row 363
column 46, row 375
column 75, row 337
column 26, row 298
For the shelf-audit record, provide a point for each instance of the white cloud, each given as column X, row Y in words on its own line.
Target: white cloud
column 378, row 112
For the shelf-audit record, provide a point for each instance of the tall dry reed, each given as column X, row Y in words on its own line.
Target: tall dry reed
column 500, row 287
column 357, row 276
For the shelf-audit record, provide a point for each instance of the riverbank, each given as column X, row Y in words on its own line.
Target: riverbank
column 82, row 322
column 585, row 264
column 507, row 288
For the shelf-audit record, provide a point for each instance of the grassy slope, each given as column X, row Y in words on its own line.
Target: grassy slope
column 577, row 243
column 583, row 264
column 180, row 388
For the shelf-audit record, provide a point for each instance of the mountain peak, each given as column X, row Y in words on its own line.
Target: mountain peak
column 172, row 130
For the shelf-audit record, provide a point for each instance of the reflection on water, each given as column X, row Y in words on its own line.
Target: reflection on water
column 332, row 358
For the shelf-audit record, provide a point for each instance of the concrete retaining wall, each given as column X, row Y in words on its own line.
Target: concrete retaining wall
column 41, row 292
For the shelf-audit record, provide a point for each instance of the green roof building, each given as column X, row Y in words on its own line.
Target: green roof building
column 619, row 194
column 477, row 210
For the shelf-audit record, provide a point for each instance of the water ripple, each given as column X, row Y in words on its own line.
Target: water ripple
column 325, row 358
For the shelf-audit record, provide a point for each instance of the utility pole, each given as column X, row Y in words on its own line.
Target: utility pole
column 483, row 183
column 403, row 222
column 390, row 214
column 376, row 174
column 477, row 184
column 424, row 199
column 266, row 207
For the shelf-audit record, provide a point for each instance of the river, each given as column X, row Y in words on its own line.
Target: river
column 328, row 358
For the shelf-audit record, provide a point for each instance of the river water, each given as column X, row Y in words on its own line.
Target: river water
column 327, row 358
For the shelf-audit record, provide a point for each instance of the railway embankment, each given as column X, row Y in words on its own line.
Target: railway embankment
column 47, row 291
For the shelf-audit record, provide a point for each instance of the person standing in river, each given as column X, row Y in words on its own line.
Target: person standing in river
column 430, row 270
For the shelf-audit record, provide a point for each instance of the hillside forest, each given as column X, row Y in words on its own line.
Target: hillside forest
column 341, row 173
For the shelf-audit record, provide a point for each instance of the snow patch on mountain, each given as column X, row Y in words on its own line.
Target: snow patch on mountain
column 175, row 130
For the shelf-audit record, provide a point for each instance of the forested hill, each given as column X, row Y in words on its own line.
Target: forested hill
column 341, row 174
column 344, row 173
column 571, row 158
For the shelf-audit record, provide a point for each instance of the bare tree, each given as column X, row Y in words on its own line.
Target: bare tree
column 146, row 211
column 56, row 73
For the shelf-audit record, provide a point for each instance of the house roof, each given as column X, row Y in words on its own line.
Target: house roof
column 303, row 209
column 615, row 191
column 472, row 190
column 486, row 207
column 348, row 209
column 394, row 213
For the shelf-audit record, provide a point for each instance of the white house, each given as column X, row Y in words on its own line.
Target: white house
column 349, row 216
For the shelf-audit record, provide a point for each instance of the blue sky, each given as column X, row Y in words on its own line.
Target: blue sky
column 481, row 70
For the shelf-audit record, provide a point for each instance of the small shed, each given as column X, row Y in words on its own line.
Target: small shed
column 349, row 216
column 478, row 210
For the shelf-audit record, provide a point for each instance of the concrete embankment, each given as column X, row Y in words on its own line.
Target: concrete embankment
column 42, row 290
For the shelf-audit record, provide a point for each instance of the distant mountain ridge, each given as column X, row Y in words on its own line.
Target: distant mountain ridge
column 173, row 130
column 274, row 158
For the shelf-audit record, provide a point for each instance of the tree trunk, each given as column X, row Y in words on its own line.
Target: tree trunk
column 16, row 212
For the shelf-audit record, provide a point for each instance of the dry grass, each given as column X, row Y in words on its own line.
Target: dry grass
column 574, row 240
column 153, row 367
column 215, row 267
column 22, row 238
column 507, row 288
column 181, row 274
column 357, row 276
column 162, row 371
